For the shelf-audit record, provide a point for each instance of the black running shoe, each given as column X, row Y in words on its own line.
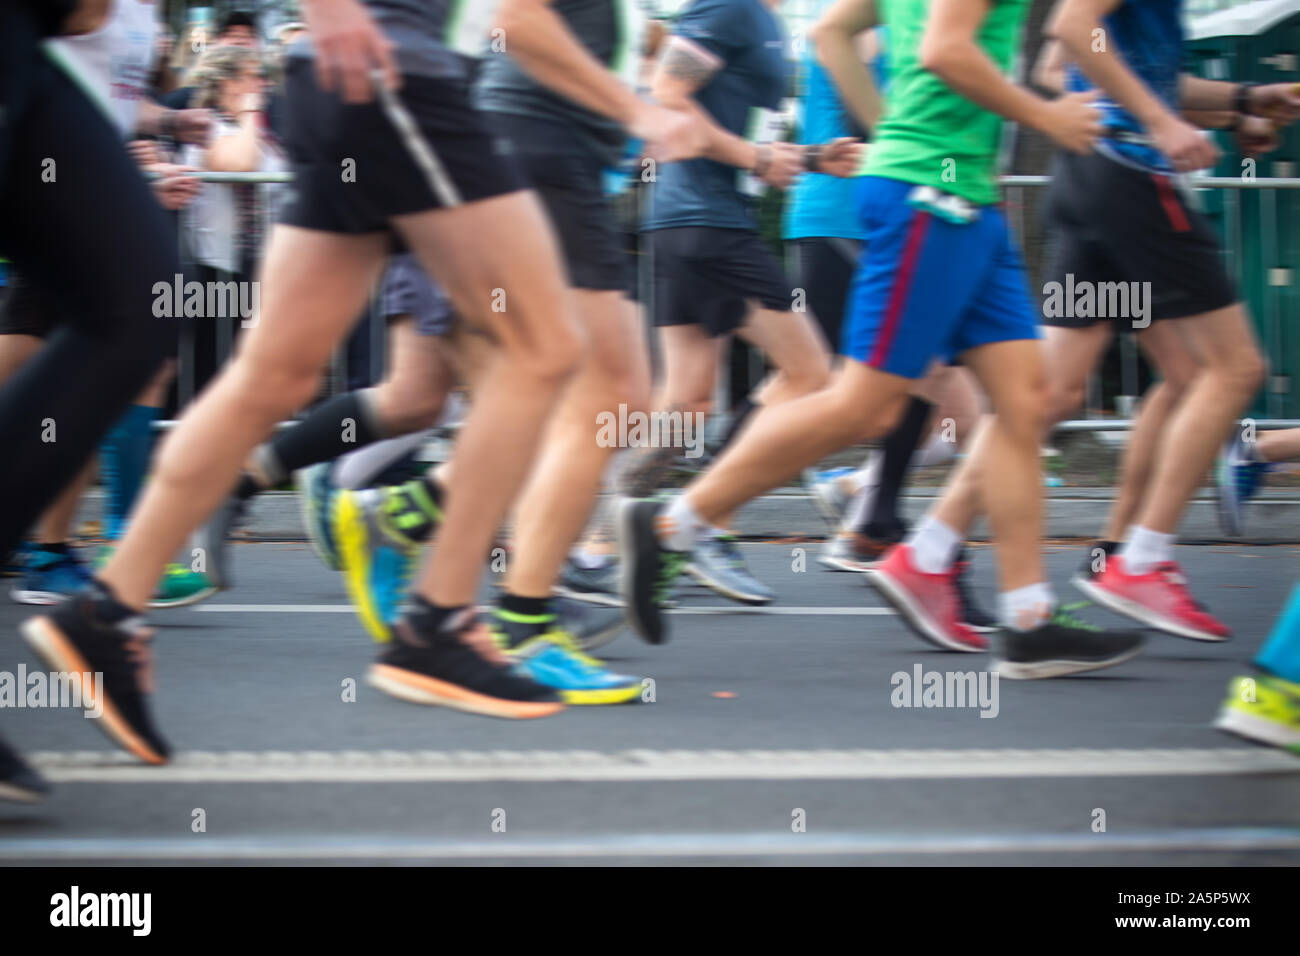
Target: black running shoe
column 1063, row 645
column 458, row 665
column 649, row 569
column 18, row 781
column 92, row 634
column 1094, row 562
column 968, row 611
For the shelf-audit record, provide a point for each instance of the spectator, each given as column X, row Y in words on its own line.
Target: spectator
column 227, row 221
column 237, row 29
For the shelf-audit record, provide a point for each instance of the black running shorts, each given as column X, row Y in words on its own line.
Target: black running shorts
column 1116, row 232
column 25, row 310
column 709, row 276
column 571, row 185
column 356, row 165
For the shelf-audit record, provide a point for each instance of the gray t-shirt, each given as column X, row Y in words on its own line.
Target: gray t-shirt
column 611, row 31
column 431, row 37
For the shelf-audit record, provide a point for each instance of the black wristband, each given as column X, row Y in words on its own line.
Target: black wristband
column 1241, row 99
column 812, row 158
column 167, row 123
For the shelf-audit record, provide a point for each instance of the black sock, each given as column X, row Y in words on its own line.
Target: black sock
column 108, row 609
column 898, row 447
column 247, row 487
column 739, row 419
column 527, row 606
column 433, row 487
column 335, row 427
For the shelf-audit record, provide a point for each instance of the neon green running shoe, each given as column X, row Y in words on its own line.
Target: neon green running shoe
column 1263, row 709
column 178, row 587
column 378, row 533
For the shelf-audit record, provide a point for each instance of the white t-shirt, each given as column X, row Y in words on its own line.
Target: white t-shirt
column 113, row 64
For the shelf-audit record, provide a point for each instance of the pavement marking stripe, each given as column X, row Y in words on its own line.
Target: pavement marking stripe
column 326, row 847
column 400, row 766
column 707, row 609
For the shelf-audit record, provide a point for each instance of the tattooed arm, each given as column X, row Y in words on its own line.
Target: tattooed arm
column 684, row 68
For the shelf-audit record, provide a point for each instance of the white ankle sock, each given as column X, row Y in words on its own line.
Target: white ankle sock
column 681, row 525
column 1144, row 549
column 934, row 544
column 1025, row 608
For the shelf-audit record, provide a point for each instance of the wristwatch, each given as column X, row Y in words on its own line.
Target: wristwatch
column 1241, row 99
column 812, row 158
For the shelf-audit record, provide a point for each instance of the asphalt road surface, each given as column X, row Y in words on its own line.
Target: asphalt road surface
column 773, row 737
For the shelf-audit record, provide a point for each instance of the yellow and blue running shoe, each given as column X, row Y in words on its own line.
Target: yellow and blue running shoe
column 378, row 533
column 546, row 653
column 1264, row 709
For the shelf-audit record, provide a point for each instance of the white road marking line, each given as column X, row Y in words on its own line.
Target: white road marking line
column 401, row 766
column 610, row 846
column 704, row 609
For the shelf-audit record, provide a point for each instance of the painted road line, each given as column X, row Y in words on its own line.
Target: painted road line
column 402, row 766
column 663, row 845
column 706, row 609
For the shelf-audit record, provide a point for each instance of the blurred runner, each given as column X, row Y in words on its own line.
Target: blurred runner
column 943, row 279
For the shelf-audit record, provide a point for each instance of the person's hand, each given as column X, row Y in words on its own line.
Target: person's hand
column 785, row 163
column 1279, row 102
column 88, row 17
column 1074, row 121
column 174, row 187
column 144, row 152
column 669, row 135
column 191, row 126
column 1183, row 144
column 349, row 48
column 841, row 157
column 1256, row 136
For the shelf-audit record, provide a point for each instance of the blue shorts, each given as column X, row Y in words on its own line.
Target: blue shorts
column 929, row 289
column 408, row 290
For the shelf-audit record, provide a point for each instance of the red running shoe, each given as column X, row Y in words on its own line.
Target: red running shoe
column 1158, row 599
column 927, row 602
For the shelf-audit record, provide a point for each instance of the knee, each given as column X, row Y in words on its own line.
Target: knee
column 861, row 421
column 269, row 392
column 810, row 376
column 1246, row 372
column 1028, row 410
column 1062, row 401
column 552, row 358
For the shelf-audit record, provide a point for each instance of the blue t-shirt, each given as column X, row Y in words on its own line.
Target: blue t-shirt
column 750, row 41
column 821, row 206
column 1148, row 36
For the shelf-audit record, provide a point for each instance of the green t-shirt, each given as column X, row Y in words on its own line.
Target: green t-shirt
column 929, row 134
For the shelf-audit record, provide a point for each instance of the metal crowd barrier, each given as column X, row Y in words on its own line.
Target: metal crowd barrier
column 1272, row 319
